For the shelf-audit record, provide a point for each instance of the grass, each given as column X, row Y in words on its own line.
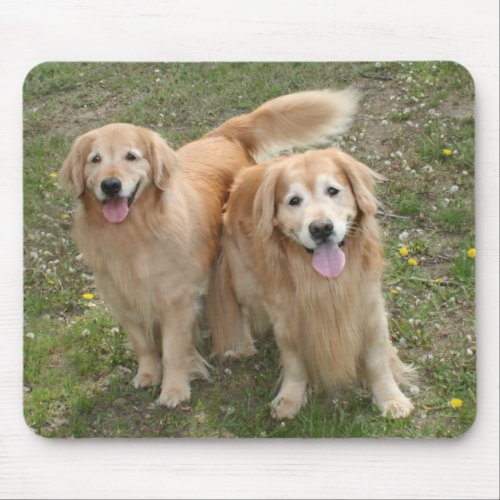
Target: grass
column 78, row 364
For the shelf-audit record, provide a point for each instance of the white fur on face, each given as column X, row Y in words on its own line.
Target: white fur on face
column 114, row 163
column 340, row 209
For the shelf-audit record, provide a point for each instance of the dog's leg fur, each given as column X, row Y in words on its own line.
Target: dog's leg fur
column 292, row 393
column 228, row 319
column 148, row 357
column 181, row 361
column 378, row 368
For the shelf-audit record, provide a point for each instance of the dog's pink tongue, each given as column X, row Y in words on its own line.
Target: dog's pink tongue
column 328, row 260
column 115, row 210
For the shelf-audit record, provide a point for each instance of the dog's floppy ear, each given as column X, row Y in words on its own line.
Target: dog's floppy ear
column 71, row 173
column 162, row 159
column 264, row 205
column 362, row 179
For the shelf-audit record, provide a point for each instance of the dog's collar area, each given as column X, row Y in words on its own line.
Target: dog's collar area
column 311, row 250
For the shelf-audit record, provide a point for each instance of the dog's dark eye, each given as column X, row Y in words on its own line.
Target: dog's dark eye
column 96, row 159
column 332, row 191
column 131, row 157
column 294, row 201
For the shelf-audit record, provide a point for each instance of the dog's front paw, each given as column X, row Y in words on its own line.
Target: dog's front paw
column 244, row 351
column 283, row 407
column 398, row 408
column 171, row 396
column 146, row 379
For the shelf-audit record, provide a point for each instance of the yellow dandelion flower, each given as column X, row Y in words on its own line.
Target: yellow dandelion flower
column 50, row 282
column 456, row 403
column 64, row 216
column 447, row 152
column 412, row 262
column 438, row 280
column 394, row 291
column 471, row 253
column 403, row 251
column 53, row 175
column 88, row 296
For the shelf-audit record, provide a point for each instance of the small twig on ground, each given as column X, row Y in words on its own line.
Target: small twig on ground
column 385, row 78
column 440, row 282
column 398, row 327
column 394, row 216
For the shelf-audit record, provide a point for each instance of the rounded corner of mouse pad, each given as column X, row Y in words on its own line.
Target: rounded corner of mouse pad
column 249, row 250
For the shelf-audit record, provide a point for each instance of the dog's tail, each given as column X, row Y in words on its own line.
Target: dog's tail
column 300, row 119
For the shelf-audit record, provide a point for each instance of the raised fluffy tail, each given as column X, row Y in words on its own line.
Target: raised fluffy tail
column 300, row 119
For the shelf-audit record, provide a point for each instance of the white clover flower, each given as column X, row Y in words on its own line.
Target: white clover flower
column 403, row 236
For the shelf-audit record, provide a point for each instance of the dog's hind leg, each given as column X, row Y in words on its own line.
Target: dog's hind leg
column 229, row 320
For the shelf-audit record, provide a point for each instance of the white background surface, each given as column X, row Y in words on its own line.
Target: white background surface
column 183, row 30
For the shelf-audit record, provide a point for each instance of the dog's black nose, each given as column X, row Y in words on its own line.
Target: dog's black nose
column 321, row 229
column 111, row 186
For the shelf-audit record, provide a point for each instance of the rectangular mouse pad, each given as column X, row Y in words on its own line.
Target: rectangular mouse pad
column 204, row 257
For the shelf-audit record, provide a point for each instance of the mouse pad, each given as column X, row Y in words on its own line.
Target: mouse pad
column 249, row 250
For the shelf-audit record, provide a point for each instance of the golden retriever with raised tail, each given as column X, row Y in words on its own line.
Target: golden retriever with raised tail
column 301, row 247
column 149, row 220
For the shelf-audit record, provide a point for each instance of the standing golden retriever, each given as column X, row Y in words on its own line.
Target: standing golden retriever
column 149, row 220
column 301, row 247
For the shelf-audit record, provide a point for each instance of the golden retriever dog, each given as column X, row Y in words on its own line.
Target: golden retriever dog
column 149, row 220
column 301, row 248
